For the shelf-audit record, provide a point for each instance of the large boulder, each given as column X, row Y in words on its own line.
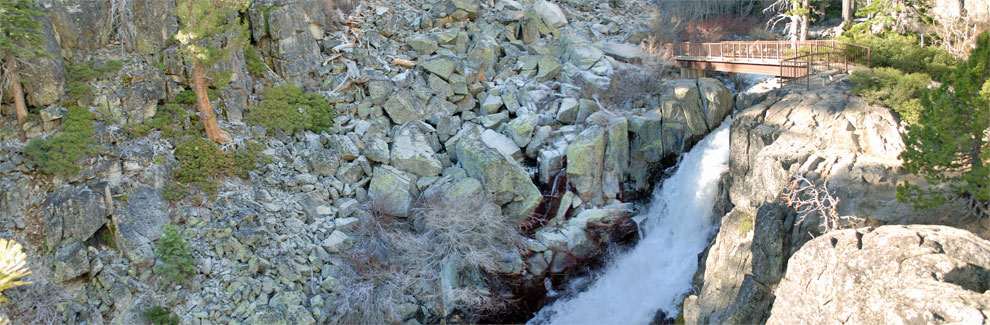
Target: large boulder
column 404, row 107
column 829, row 137
column 145, row 211
column 82, row 25
column 411, row 150
column 551, row 13
column 154, row 24
column 296, row 27
column 504, row 180
column 137, row 101
column 75, row 213
column 597, row 160
column 890, row 274
column 392, row 191
column 71, row 261
column 585, row 163
column 717, row 101
column 681, row 104
column 44, row 79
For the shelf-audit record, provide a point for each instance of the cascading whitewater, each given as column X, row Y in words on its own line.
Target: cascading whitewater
column 656, row 274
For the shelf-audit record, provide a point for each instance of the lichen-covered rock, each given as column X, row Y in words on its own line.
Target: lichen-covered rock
column 585, row 163
column 717, row 101
column 442, row 66
column 520, row 129
column 380, row 90
column 75, row 213
column 551, row 13
column 422, row 43
column 392, row 190
column 411, row 150
column 681, row 104
column 44, row 79
column 71, row 261
column 323, row 161
column 616, row 158
column 145, row 211
column 891, row 274
column 503, row 179
column 83, row 25
column 154, row 24
column 404, row 107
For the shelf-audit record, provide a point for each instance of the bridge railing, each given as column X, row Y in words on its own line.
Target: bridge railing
column 769, row 50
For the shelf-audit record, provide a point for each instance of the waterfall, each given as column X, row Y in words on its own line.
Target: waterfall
column 657, row 272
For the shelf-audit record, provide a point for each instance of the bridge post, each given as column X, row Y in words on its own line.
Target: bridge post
column 688, row 73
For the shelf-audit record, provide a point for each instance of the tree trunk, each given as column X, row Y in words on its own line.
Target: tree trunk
column 847, row 11
column 804, row 19
column 205, row 110
column 15, row 85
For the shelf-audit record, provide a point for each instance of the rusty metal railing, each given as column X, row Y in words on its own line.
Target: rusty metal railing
column 769, row 50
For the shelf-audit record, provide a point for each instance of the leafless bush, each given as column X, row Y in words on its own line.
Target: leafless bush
column 958, row 34
column 473, row 227
column 383, row 268
column 808, row 199
column 391, row 260
column 700, row 9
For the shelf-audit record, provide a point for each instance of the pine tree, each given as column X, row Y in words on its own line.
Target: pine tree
column 20, row 41
column 948, row 146
column 207, row 35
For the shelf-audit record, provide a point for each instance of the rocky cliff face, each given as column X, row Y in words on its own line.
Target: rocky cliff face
column 492, row 108
column 926, row 274
column 826, row 135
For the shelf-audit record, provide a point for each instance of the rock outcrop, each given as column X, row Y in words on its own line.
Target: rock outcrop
column 890, row 274
column 826, row 135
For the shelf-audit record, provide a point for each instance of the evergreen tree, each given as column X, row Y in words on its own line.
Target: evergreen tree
column 949, row 145
column 207, row 36
column 19, row 42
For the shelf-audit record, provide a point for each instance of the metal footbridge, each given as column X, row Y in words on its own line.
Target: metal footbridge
column 785, row 59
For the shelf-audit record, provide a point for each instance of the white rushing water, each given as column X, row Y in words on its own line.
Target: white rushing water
column 657, row 272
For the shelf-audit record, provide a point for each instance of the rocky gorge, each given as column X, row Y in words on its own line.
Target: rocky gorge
column 500, row 121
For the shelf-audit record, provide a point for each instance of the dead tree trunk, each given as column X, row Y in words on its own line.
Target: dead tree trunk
column 205, row 110
column 847, row 11
column 18, row 92
column 805, row 17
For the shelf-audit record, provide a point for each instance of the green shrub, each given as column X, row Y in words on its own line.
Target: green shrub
column 159, row 315
column 82, row 71
column 80, row 93
column 201, row 163
column 174, row 192
column 289, row 109
column 110, row 66
column 255, row 65
column 172, row 120
column 60, row 154
column 186, row 97
column 904, row 52
column 892, row 88
column 176, row 265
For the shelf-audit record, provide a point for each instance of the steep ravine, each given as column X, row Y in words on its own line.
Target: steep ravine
column 657, row 272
